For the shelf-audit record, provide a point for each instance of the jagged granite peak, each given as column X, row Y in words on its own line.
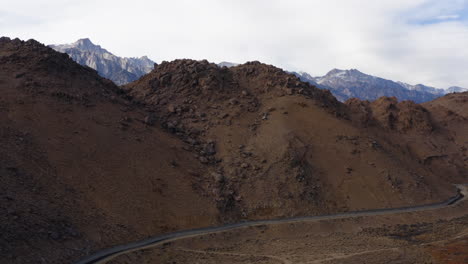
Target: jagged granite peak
column 86, row 44
column 456, row 89
column 227, row 64
column 349, row 75
column 120, row 70
column 337, row 72
column 304, row 75
column 424, row 88
column 346, row 84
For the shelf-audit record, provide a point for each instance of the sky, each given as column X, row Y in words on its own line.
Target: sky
column 415, row 41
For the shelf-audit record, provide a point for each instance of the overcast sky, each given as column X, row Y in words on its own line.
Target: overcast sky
column 416, row 41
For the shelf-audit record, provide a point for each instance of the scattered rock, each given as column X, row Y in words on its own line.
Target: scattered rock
column 289, row 91
column 218, row 177
column 171, row 108
column 210, row 148
column 203, row 160
column 149, row 120
column 233, row 101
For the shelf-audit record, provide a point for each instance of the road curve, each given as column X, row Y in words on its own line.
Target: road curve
column 107, row 254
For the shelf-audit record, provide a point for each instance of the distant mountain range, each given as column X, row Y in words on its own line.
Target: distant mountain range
column 346, row 84
column 119, row 70
column 227, row 64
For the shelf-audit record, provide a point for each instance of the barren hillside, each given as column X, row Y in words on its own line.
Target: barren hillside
column 80, row 169
column 280, row 147
column 86, row 164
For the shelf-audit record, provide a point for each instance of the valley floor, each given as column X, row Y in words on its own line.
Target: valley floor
column 434, row 236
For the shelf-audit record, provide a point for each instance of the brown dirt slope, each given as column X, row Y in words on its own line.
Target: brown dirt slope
column 434, row 134
column 279, row 147
column 80, row 169
column 451, row 115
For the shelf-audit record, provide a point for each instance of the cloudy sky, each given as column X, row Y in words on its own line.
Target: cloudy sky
column 416, row 41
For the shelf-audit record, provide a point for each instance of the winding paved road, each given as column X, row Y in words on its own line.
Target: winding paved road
column 108, row 254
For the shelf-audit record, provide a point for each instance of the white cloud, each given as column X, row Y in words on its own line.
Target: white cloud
column 448, row 17
column 378, row 37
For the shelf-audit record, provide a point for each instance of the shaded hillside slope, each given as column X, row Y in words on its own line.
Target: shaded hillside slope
column 451, row 114
column 430, row 134
column 80, row 169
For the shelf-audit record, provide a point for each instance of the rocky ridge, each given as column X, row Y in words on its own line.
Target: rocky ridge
column 81, row 169
column 226, row 114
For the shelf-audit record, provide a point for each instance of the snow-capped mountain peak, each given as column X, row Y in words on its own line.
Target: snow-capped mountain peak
column 227, row 64
column 121, row 70
column 456, row 89
column 345, row 84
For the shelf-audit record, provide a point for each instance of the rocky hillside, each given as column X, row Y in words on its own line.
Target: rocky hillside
column 119, row 70
column 231, row 116
column 346, row 84
column 433, row 133
column 451, row 113
column 86, row 164
column 82, row 167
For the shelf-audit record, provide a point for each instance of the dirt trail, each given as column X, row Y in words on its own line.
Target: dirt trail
column 282, row 260
column 344, row 256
